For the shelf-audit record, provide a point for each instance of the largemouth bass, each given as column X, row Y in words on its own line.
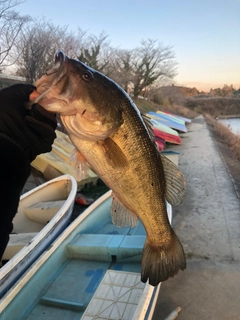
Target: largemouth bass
column 114, row 139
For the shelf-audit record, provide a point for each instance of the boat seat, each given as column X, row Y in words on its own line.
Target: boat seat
column 43, row 211
column 16, row 243
column 104, row 247
column 117, row 297
column 64, row 304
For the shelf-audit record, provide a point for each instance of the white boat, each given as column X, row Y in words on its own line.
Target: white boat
column 43, row 213
column 91, row 271
column 58, row 162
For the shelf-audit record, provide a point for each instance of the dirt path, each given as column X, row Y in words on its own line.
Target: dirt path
column 208, row 224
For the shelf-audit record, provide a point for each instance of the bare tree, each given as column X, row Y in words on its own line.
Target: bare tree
column 95, row 53
column 152, row 62
column 39, row 42
column 11, row 24
column 122, row 71
column 144, row 69
column 71, row 43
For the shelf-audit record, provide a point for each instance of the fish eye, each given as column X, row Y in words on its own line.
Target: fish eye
column 87, row 76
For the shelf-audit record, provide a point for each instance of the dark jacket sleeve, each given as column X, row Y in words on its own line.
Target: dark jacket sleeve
column 43, row 125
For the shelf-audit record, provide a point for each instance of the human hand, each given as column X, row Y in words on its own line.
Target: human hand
column 13, row 98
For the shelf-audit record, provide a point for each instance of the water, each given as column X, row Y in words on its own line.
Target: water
column 233, row 124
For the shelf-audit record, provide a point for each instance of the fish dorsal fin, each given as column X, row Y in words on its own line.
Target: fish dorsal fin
column 115, row 157
column 175, row 182
column 148, row 125
column 121, row 216
column 81, row 165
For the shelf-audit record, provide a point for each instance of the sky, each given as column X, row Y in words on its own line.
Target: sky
column 203, row 34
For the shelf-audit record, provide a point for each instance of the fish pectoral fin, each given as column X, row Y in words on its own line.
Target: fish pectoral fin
column 121, row 216
column 81, row 165
column 115, row 157
column 175, row 182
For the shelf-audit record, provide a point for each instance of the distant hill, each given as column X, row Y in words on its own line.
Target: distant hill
column 226, row 91
column 185, row 92
column 217, row 102
column 215, row 106
column 175, row 94
column 179, row 90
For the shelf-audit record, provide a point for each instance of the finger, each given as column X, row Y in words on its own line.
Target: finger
column 33, row 95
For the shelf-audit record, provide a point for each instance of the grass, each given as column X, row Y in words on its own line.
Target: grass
column 227, row 136
column 145, row 105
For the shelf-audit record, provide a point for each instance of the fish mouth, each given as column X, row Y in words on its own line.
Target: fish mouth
column 52, row 76
column 59, row 64
column 53, row 83
column 60, row 57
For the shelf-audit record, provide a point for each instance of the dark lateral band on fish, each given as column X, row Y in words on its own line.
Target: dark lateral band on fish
column 110, row 134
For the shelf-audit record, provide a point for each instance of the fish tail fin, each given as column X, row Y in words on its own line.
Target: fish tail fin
column 161, row 263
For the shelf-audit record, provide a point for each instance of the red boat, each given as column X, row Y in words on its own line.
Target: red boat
column 166, row 136
column 160, row 143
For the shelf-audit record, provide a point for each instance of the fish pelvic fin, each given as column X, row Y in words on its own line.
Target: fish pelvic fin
column 159, row 264
column 175, row 182
column 81, row 165
column 121, row 216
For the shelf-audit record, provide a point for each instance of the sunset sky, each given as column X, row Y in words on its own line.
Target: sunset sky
column 204, row 34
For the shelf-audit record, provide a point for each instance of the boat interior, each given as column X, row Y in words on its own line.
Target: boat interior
column 33, row 215
column 93, row 273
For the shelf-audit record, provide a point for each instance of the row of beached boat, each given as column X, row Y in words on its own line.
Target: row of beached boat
column 86, row 269
column 166, row 127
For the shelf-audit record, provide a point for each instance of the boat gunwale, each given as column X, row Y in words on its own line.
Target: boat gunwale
column 26, row 250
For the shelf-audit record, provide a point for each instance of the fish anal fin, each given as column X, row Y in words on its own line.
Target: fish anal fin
column 115, row 157
column 121, row 216
column 175, row 182
column 81, row 165
column 162, row 262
